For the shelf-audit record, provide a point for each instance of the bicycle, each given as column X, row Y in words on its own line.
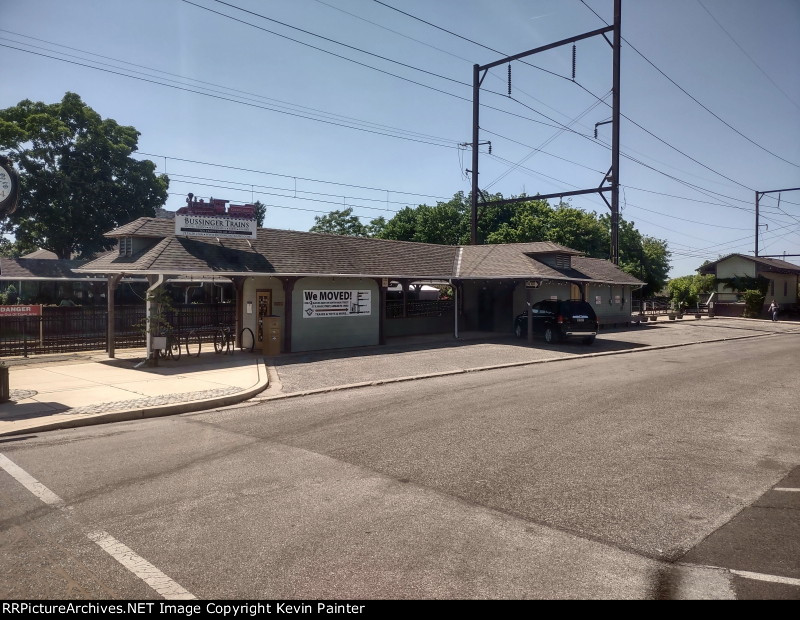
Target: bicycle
column 193, row 344
column 252, row 339
column 173, row 348
column 223, row 340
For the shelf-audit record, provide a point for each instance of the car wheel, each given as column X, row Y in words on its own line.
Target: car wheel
column 518, row 330
column 588, row 340
column 550, row 336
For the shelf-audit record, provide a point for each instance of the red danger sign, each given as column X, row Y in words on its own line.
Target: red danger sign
column 20, row 311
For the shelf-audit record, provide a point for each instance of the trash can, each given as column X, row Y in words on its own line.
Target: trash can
column 5, row 390
column 271, row 342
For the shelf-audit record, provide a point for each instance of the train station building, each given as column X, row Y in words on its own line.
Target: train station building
column 320, row 291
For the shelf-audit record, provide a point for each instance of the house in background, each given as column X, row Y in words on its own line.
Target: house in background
column 783, row 281
column 40, row 277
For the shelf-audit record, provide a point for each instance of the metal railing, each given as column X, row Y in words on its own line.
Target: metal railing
column 425, row 308
column 85, row 328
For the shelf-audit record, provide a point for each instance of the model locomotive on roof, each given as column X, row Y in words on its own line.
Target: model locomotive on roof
column 216, row 207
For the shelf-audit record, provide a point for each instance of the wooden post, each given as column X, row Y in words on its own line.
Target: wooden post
column 113, row 281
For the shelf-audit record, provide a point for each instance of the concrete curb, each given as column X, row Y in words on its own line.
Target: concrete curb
column 461, row 371
column 154, row 411
column 264, row 383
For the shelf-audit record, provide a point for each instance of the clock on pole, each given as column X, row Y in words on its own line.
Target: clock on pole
column 9, row 187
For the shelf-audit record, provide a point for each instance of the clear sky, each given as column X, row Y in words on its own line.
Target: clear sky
column 314, row 105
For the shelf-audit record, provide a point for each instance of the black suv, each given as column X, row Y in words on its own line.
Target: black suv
column 557, row 320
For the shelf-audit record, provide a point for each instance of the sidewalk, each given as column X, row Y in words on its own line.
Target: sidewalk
column 64, row 391
column 77, row 389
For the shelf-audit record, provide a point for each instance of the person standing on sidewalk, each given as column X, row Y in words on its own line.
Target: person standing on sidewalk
column 773, row 310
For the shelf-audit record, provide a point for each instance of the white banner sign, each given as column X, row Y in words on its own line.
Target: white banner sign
column 214, row 226
column 320, row 304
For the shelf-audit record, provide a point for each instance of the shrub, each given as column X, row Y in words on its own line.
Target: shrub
column 753, row 302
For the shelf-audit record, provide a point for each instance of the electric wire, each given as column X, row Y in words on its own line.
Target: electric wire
column 232, row 100
column 749, row 57
column 693, row 98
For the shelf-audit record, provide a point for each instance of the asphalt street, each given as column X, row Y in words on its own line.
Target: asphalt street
column 643, row 476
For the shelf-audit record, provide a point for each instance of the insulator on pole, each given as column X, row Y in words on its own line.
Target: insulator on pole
column 574, row 54
column 509, row 79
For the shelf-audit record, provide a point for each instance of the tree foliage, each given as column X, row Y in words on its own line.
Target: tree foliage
column 15, row 249
column 77, row 177
column 339, row 223
column 686, row 290
column 261, row 212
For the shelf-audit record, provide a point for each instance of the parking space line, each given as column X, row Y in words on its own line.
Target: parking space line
column 786, row 489
column 136, row 564
column 140, row 567
column 762, row 577
column 30, row 483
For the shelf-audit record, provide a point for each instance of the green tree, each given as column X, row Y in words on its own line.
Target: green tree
column 376, row 227
column 685, row 291
column 339, row 223
column 446, row 223
column 77, row 177
column 261, row 213
column 14, row 249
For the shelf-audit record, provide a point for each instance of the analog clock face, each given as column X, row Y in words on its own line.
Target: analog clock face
column 5, row 184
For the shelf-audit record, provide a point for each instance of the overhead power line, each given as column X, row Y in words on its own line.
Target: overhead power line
column 224, row 89
column 676, row 149
column 231, row 99
column 697, row 101
column 289, row 176
column 749, row 57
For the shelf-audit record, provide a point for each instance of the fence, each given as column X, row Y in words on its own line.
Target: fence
column 425, row 308
column 85, row 328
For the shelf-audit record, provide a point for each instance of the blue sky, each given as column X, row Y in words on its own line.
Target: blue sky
column 335, row 103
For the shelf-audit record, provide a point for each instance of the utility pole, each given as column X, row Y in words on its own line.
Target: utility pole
column 611, row 177
column 477, row 80
column 758, row 200
column 615, row 134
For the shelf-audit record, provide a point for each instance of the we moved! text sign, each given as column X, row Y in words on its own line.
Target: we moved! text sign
column 322, row 303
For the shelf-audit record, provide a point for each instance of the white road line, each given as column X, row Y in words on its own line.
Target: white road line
column 140, row 567
column 786, row 489
column 761, row 577
column 31, row 483
column 136, row 564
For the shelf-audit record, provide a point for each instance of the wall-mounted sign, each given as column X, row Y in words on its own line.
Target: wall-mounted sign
column 215, row 226
column 20, row 310
column 532, row 283
column 328, row 303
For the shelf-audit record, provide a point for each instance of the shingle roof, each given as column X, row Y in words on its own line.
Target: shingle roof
column 603, row 271
column 39, row 269
column 286, row 252
column 773, row 264
column 40, row 253
column 508, row 260
column 276, row 251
